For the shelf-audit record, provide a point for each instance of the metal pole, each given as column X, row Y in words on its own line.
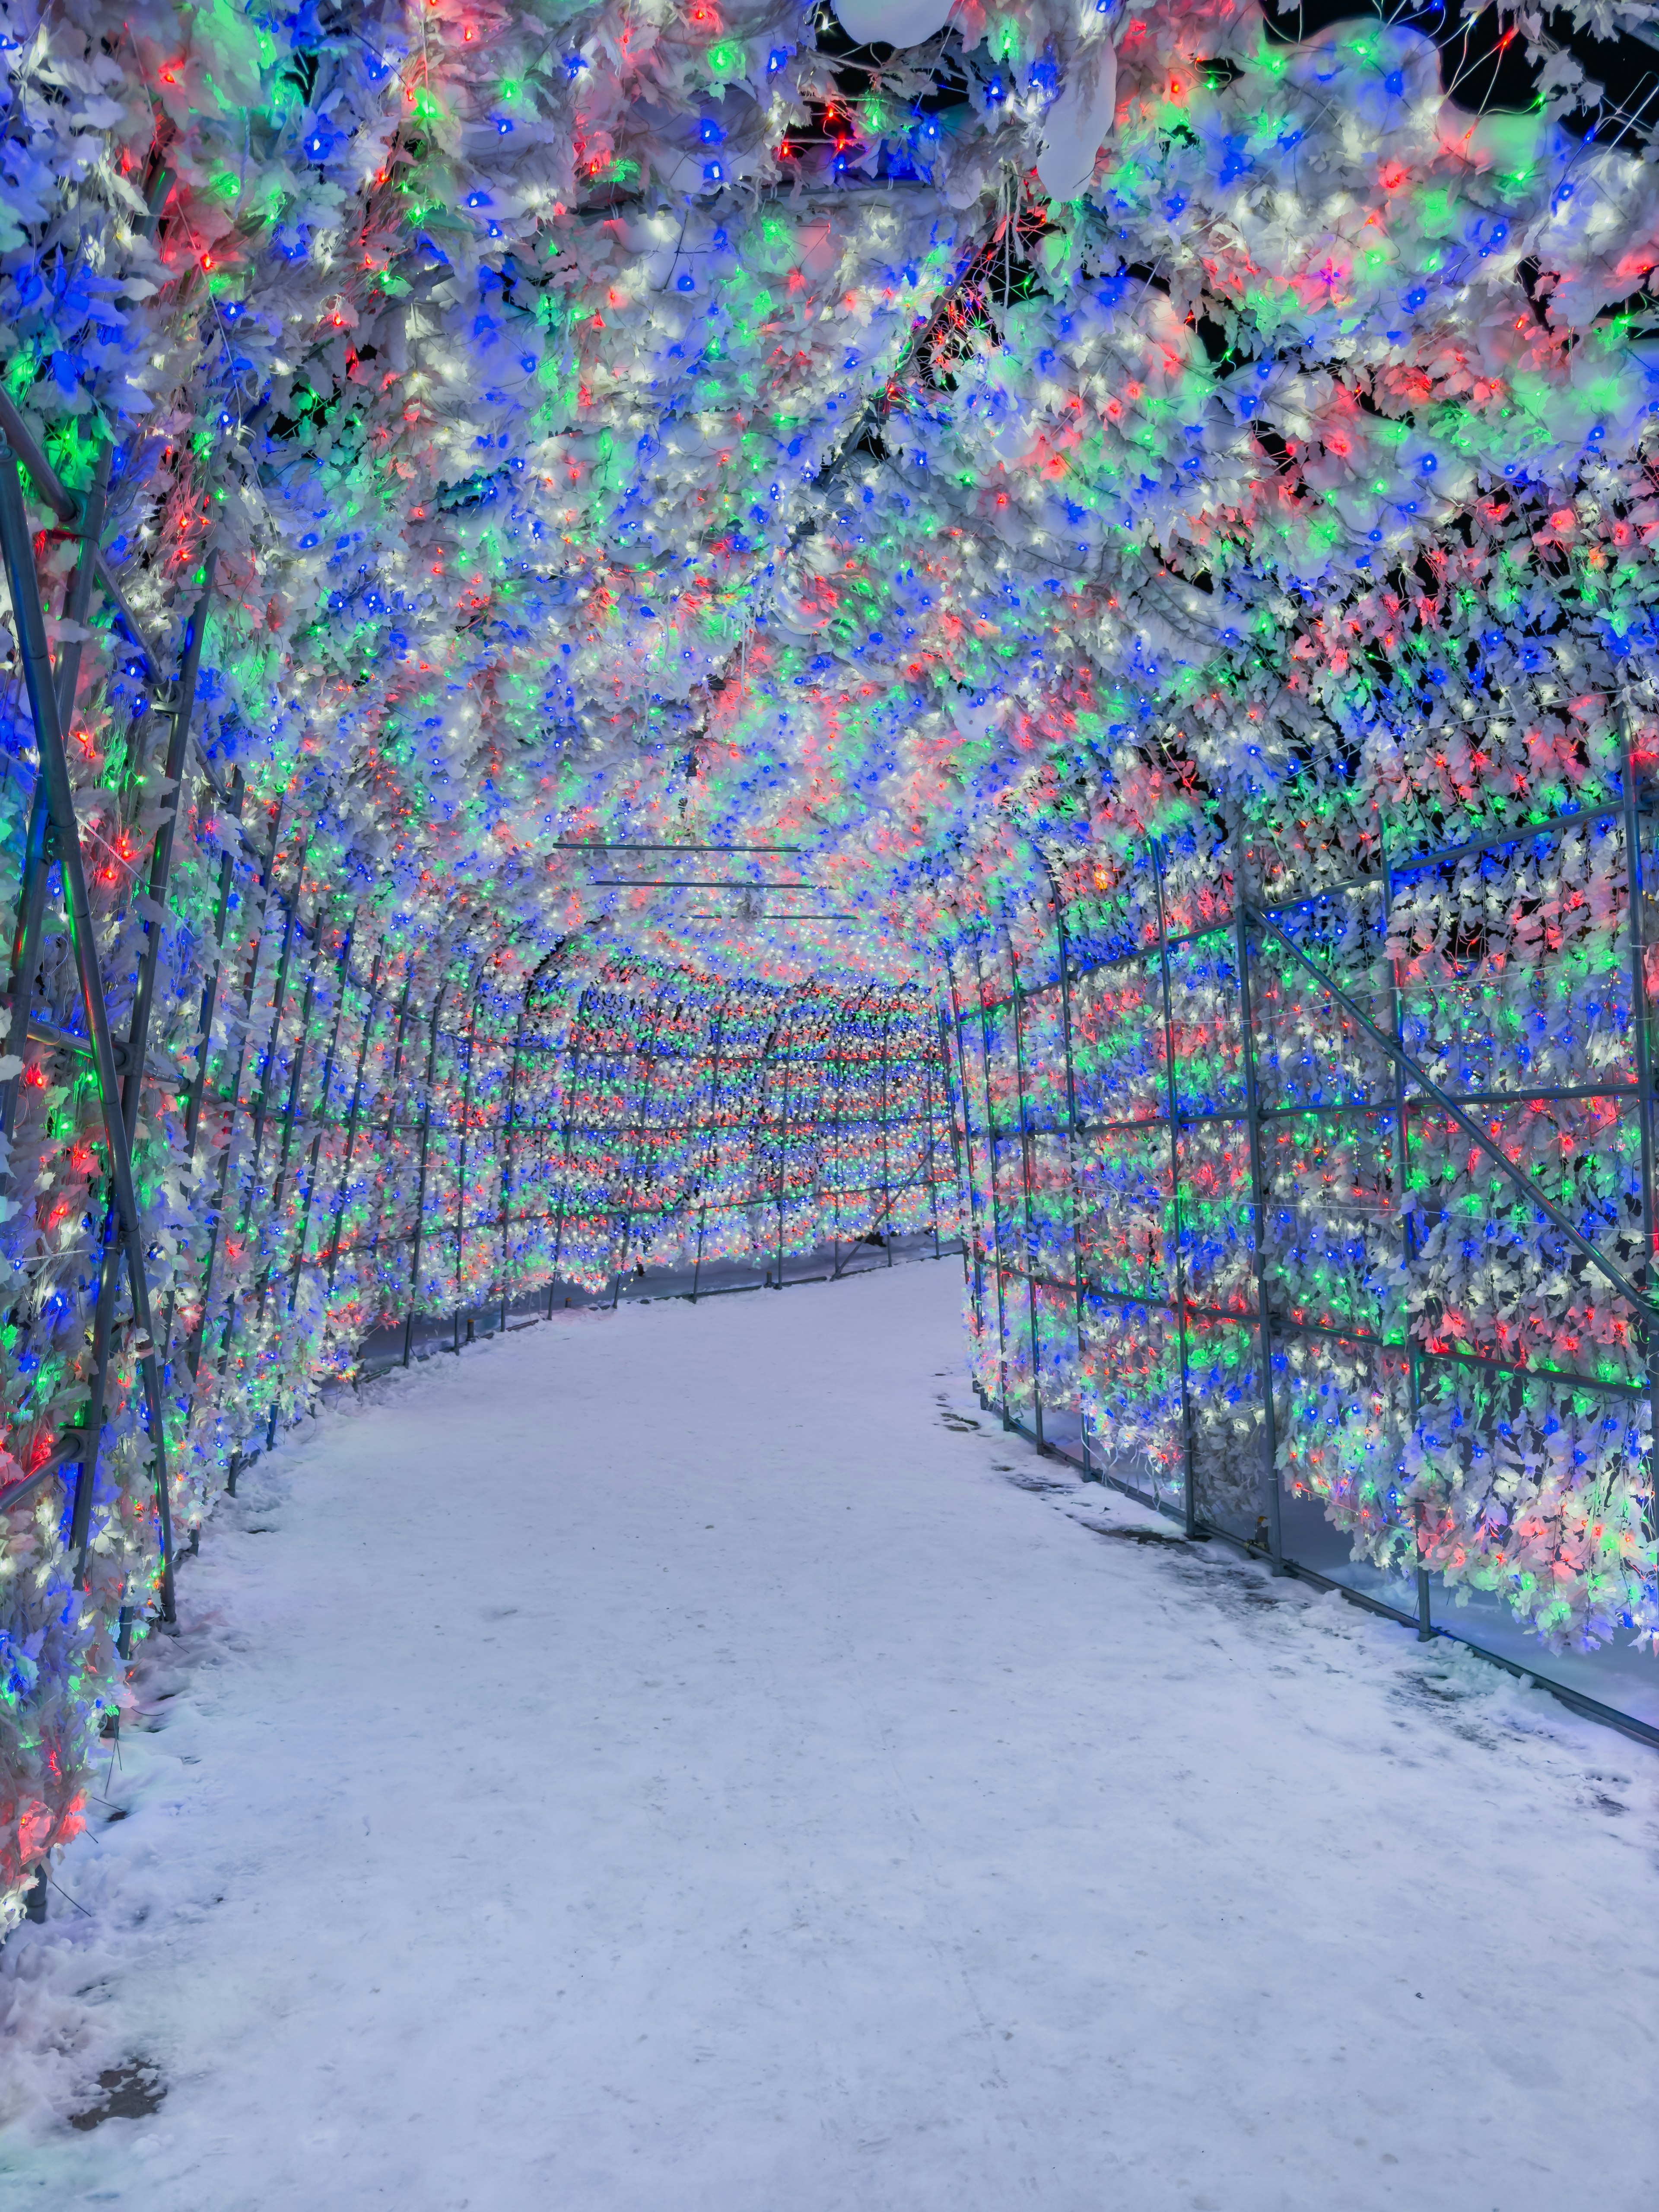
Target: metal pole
column 970, row 1281
column 199, row 1334
column 26, row 944
column 974, row 1236
column 394, row 1128
column 1259, row 1214
column 996, row 1207
column 420, row 1199
column 290, row 918
column 713, row 1144
column 783, row 1135
column 161, row 868
column 460, row 1167
column 927, row 1111
column 343, row 979
column 1640, row 1013
column 89, row 569
column 507, row 1145
column 32, row 892
column 886, row 1147
column 343, row 1185
column 1190, row 1490
column 838, row 1119
column 211, row 988
column 296, row 1077
column 1025, row 1157
column 569, row 1131
column 1409, row 1240
column 1065, row 956
column 233, row 1304
column 17, row 550
column 204, row 1032
column 161, row 874
column 647, row 1069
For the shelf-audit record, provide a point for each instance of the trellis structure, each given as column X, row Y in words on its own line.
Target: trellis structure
column 701, row 1120
column 253, row 1112
column 1327, row 1227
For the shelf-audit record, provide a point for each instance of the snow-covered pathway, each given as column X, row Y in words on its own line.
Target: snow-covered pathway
column 661, row 1764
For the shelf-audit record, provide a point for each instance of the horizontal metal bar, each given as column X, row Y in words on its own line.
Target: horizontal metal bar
column 1544, row 1095
column 1284, row 1324
column 564, row 845
column 697, row 883
column 1570, row 1378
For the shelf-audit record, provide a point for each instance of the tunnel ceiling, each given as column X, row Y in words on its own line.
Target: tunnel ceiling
column 651, row 425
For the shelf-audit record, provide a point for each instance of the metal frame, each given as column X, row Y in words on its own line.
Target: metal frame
column 1413, row 1091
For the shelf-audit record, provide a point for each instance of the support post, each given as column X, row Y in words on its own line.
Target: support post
column 928, row 1114
column 392, row 1124
column 783, row 1137
column 420, row 1198
column 1643, row 1038
column 973, row 1235
column 1259, row 1217
column 1172, row 1106
column 569, row 1130
column 507, row 1145
column 290, row 919
column 199, row 1334
column 343, row 1185
column 204, row 1038
column 714, row 1144
column 971, row 1281
column 999, row 1266
column 1409, row 1240
column 886, row 1144
column 342, row 984
column 1063, row 952
column 647, row 1069
column 1025, row 1160
column 460, row 1164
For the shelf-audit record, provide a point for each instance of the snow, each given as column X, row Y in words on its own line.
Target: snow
column 657, row 1762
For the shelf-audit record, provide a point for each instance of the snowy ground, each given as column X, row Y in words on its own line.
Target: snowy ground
column 670, row 1762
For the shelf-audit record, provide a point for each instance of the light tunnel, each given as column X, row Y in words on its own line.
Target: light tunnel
column 658, row 649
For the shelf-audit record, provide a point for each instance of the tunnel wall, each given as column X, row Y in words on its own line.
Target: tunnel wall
column 344, row 1127
column 1310, row 1188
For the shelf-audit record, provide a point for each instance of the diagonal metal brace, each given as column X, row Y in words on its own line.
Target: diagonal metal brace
column 18, row 555
column 1403, row 1060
